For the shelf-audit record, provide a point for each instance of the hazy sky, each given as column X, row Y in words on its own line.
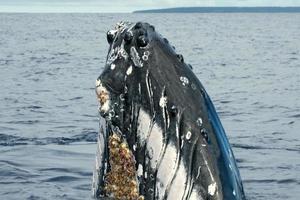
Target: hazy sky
column 125, row 5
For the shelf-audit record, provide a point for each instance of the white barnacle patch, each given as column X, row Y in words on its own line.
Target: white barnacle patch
column 146, row 55
column 98, row 82
column 105, row 106
column 163, row 101
column 129, row 70
column 212, row 189
column 140, row 170
column 145, row 58
column 103, row 97
column 135, row 57
column 188, row 135
column 112, row 66
column 233, row 192
column 184, row 80
column 199, row 122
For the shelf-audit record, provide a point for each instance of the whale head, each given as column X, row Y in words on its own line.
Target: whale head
column 162, row 138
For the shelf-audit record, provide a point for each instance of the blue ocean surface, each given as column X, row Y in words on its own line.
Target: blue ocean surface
column 248, row 63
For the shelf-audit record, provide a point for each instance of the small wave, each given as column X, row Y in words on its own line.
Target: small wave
column 75, row 98
column 27, row 122
column 10, row 163
column 295, row 116
column 34, row 107
column 66, row 170
column 252, row 147
column 225, row 101
column 63, row 179
column 278, row 133
column 293, row 58
column 9, row 140
column 280, row 181
column 83, row 187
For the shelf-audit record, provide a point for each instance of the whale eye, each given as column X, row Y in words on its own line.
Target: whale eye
column 142, row 41
column 128, row 37
column 110, row 36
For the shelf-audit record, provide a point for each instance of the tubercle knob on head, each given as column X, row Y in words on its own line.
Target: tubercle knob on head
column 128, row 37
column 142, row 41
column 138, row 25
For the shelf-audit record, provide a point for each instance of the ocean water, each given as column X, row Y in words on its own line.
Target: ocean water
column 248, row 63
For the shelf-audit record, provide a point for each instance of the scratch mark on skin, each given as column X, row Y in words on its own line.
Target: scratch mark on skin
column 135, row 57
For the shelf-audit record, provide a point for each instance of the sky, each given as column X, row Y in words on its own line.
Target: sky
column 125, row 5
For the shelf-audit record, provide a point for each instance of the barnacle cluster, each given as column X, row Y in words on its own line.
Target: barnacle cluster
column 103, row 96
column 121, row 180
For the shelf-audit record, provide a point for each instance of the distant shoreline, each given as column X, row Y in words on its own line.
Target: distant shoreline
column 223, row 10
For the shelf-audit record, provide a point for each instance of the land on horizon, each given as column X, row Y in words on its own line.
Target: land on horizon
column 222, row 10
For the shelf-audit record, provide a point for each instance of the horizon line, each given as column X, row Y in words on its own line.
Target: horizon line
column 57, row 11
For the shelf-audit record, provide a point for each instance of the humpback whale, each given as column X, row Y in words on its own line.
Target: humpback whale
column 160, row 136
